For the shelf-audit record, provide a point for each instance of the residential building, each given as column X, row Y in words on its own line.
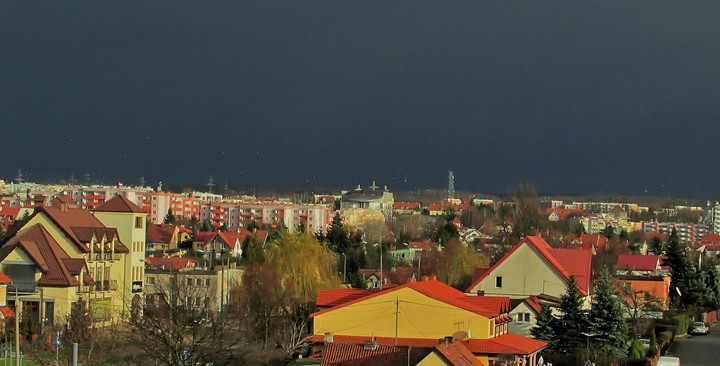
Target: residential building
column 409, row 252
column 407, row 208
column 404, row 316
column 199, row 288
column 533, row 267
column 165, row 236
column 369, row 198
column 687, row 232
column 312, row 217
column 63, row 253
column 157, row 204
column 524, row 313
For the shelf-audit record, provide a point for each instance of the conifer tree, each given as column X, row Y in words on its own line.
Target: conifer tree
column 680, row 267
column 544, row 328
column 712, row 281
column 606, row 318
column 573, row 321
column 169, row 217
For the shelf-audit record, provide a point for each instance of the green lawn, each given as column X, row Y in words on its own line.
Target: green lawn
column 11, row 362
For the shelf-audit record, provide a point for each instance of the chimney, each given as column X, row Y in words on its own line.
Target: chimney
column 328, row 337
column 410, row 280
column 481, row 293
column 424, row 278
column 39, row 201
column 433, row 278
column 447, row 341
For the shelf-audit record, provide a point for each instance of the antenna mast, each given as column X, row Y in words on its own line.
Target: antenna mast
column 451, row 185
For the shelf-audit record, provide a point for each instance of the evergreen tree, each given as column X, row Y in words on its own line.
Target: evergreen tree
column 712, row 282
column 696, row 292
column 169, row 217
column 544, row 328
column 194, row 224
column 607, row 321
column 300, row 228
column 206, row 225
column 680, row 267
column 337, row 237
column 252, row 251
column 573, row 322
column 656, row 246
column 608, row 232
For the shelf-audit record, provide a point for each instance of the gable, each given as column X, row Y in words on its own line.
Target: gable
column 524, row 272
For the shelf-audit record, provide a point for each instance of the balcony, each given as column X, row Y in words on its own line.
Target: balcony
column 86, row 289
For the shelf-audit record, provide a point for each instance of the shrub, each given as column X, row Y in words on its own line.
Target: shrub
column 652, row 351
column 682, row 323
column 637, row 351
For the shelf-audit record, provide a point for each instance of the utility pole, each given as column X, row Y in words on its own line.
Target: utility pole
column 397, row 316
column 17, row 328
column 381, row 276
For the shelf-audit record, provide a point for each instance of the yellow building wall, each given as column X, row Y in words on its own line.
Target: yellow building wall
column 432, row 360
column 419, row 317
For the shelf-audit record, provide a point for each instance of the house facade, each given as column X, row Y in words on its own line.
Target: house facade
column 532, row 267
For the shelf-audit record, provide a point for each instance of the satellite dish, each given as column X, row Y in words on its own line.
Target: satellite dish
column 460, row 334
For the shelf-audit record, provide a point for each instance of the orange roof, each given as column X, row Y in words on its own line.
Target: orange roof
column 638, row 262
column 160, row 233
column 424, row 245
column 433, row 289
column 119, row 204
column 457, row 354
column 566, row 262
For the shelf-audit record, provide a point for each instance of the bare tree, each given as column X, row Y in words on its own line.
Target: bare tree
column 178, row 324
column 527, row 216
column 639, row 304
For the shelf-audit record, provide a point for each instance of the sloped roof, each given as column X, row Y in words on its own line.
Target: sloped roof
column 348, row 354
column 638, row 262
column 456, row 353
column 710, row 238
column 566, row 262
column 4, row 279
column 436, row 290
column 424, row 245
column 205, row 236
column 6, row 312
column 48, row 256
column 330, row 298
column 160, row 233
column 119, row 204
column 172, row 263
column 495, row 304
column 406, row 205
column 532, row 301
column 71, row 220
column 508, row 343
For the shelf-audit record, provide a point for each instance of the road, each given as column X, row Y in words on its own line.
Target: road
column 701, row 350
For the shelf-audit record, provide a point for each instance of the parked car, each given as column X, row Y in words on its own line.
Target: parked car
column 699, row 328
column 668, row 361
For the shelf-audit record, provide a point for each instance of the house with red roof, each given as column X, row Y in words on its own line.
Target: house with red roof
column 447, row 352
column 407, row 208
column 417, row 314
column 229, row 242
column 638, row 265
column 165, row 236
column 524, row 313
column 533, row 267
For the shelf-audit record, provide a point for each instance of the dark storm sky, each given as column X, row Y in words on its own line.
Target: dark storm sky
column 569, row 96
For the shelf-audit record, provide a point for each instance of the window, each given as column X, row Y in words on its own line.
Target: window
column 198, row 282
column 523, row 317
column 189, row 281
column 498, row 281
column 138, row 222
column 207, row 282
column 150, row 280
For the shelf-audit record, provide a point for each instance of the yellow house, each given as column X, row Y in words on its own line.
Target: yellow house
column 417, row 314
column 63, row 253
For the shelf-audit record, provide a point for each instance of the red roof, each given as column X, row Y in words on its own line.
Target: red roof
column 172, row 263
column 638, row 262
column 457, row 354
column 4, row 279
column 356, row 354
column 406, row 205
column 508, row 343
column 7, row 312
column 590, row 241
column 424, row 245
column 435, row 290
column 119, row 204
column 330, row 298
column 564, row 213
column 566, row 262
column 160, row 233
column 711, row 238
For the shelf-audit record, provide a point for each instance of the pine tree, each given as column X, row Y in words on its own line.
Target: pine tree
column 712, row 281
column 680, row 267
column 169, row 217
column 573, row 322
column 606, row 318
column 544, row 328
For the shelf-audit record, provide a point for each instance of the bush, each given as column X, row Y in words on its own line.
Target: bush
column 682, row 323
column 652, row 351
column 637, row 351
